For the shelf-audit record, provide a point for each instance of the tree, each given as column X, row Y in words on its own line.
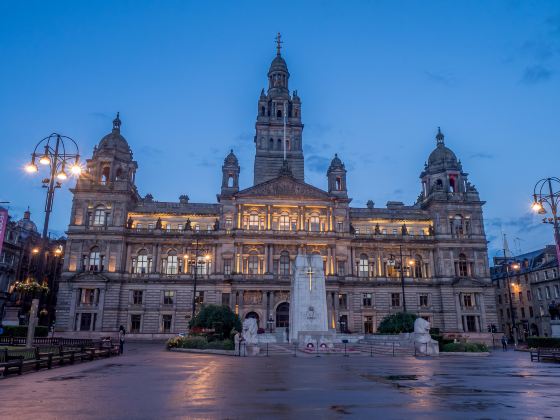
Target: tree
column 402, row 322
column 218, row 317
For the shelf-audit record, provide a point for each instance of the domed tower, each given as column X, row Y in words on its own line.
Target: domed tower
column 448, row 194
column 112, row 159
column 230, row 175
column 336, row 176
column 443, row 174
column 278, row 127
column 103, row 192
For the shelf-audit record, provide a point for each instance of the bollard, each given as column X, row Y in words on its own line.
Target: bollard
column 345, row 354
column 393, row 349
column 371, row 348
column 295, row 349
column 266, row 349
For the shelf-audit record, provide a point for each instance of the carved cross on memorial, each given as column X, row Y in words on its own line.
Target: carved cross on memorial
column 310, row 273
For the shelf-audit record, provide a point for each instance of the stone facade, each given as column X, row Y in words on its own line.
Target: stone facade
column 131, row 260
column 534, row 285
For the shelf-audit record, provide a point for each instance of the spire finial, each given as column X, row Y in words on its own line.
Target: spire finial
column 278, row 43
column 439, row 136
column 117, row 122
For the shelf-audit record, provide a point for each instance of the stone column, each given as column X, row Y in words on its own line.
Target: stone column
column 155, row 258
column 351, row 261
column 100, row 306
column 265, row 265
column 482, row 308
column 268, row 217
column 328, row 264
column 458, row 311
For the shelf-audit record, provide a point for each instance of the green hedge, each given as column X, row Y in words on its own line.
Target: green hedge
column 21, row 331
column 402, row 322
column 199, row 342
column 465, row 347
column 543, row 342
column 442, row 341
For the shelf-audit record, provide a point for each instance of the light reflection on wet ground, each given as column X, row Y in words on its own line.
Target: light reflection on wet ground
column 149, row 382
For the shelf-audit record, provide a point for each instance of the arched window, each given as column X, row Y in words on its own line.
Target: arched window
column 462, row 266
column 172, row 266
column 284, row 263
column 363, row 266
column 338, row 183
column 230, row 181
column 262, row 111
column 284, row 222
column 457, row 225
column 439, row 184
column 99, row 216
column 452, row 187
column 95, row 259
column 271, row 144
column 119, row 173
column 417, row 267
column 279, row 144
column 279, row 114
column 105, row 172
column 253, row 263
column 287, row 144
column 314, row 223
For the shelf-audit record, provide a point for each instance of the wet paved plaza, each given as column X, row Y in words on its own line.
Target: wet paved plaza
column 149, row 382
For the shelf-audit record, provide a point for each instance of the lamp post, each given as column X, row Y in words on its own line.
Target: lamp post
column 551, row 198
column 58, row 153
column 197, row 252
column 401, row 270
column 515, row 266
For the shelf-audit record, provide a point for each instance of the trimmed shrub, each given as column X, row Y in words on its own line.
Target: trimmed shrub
column 21, row 331
column 200, row 343
column 402, row 322
column 442, row 341
column 543, row 342
column 217, row 317
column 465, row 347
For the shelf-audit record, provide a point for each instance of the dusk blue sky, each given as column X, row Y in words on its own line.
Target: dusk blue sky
column 376, row 79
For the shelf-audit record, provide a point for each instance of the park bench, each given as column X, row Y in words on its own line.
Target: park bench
column 10, row 362
column 43, row 357
column 66, row 354
column 545, row 354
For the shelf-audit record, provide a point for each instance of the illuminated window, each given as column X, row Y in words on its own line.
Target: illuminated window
column 253, row 263
column 284, row 222
column 314, row 223
column 363, row 266
column 254, row 221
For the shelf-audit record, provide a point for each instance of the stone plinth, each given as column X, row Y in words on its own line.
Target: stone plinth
column 308, row 306
column 555, row 327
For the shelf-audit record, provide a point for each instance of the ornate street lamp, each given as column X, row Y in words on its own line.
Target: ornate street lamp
column 59, row 154
column 542, row 199
column 411, row 263
column 196, row 253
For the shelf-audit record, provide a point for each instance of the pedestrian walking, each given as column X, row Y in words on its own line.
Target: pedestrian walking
column 504, row 342
column 122, row 333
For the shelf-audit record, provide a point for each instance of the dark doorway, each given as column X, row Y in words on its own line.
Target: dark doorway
column 283, row 315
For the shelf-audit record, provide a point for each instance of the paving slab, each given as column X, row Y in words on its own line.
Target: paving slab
column 149, row 382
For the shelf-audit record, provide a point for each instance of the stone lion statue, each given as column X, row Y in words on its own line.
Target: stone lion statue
column 250, row 330
column 423, row 342
column 421, row 326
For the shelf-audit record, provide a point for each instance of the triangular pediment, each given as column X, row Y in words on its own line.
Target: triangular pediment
column 284, row 186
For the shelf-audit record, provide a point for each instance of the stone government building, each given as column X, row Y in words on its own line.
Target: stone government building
column 131, row 260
